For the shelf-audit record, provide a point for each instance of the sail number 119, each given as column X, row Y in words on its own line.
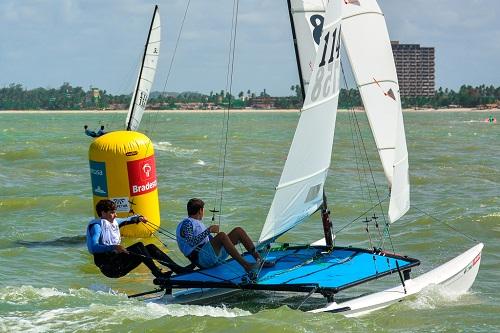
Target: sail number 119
column 324, row 84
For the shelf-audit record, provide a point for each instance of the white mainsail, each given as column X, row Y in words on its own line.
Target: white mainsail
column 367, row 44
column 146, row 74
column 307, row 22
column 300, row 190
column 368, row 47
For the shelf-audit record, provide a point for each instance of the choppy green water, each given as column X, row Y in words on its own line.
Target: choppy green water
column 48, row 281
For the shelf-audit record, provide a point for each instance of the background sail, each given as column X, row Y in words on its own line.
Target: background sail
column 146, row 74
column 308, row 17
column 300, row 190
column 368, row 47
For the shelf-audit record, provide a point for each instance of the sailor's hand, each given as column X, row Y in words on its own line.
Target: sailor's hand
column 120, row 249
column 143, row 219
column 214, row 228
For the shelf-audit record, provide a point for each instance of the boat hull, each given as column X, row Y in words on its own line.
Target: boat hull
column 456, row 276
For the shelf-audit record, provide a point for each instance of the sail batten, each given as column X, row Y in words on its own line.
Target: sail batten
column 300, row 189
column 300, row 180
column 146, row 75
column 363, row 84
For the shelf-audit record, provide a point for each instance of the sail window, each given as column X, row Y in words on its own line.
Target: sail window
column 313, row 193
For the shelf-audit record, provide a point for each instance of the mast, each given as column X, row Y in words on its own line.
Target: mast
column 140, row 72
column 327, row 223
column 295, row 46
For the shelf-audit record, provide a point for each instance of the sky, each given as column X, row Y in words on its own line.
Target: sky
column 99, row 43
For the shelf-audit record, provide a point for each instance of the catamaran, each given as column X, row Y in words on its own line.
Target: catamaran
column 321, row 267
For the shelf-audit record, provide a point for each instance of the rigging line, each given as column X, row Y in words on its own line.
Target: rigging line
column 360, row 165
column 151, row 228
column 355, row 139
column 357, row 148
column 154, row 123
column 369, row 164
column 230, row 78
column 446, row 224
column 223, row 128
column 158, row 238
column 162, row 229
column 359, row 138
column 370, row 168
column 162, row 232
column 365, row 197
column 165, row 233
column 307, row 297
column 361, row 215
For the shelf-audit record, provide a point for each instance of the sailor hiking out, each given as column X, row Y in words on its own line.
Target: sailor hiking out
column 113, row 259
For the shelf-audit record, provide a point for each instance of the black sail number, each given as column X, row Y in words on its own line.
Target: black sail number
column 335, row 48
column 323, row 81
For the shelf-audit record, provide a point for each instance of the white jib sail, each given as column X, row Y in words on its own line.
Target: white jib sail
column 367, row 44
column 300, row 190
column 146, row 75
column 308, row 17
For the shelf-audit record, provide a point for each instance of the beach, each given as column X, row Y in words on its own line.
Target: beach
column 240, row 111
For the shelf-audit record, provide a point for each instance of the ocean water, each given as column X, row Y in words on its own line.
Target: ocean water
column 48, row 282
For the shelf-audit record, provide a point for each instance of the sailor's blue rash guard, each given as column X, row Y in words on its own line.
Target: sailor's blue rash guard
column 94, row 230
column 191, row 233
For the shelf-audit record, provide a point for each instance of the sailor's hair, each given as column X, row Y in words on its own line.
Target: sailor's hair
column 194, row 205
column 104, row 206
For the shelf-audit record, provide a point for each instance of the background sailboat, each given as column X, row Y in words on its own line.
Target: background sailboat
column 146, row 74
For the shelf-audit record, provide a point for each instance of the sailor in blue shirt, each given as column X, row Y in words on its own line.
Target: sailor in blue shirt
column 114, row 260
column 101, row 131
column 196, row 242
column 90, row 133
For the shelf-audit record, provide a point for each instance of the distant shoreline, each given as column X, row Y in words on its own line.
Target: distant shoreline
column 232, row 111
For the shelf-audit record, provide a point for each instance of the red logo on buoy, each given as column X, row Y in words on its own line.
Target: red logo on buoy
column 142, row 176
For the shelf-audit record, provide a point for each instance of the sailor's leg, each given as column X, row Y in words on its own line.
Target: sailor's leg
column 138, row 250
column 238, row 235
column 165, row 260
column 116, row 265
column 223, row 240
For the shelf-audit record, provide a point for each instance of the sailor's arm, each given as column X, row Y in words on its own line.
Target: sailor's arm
column 188, row 232
column 93, row 241
column 131, row 220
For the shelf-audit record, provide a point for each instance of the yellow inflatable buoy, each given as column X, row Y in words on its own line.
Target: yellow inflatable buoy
column 122, row 169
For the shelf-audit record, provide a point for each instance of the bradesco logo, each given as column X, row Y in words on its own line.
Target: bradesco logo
column 142, row 176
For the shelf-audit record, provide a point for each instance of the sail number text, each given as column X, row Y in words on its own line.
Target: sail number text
column 323, row 82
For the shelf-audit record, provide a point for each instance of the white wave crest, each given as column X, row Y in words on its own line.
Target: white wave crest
column 87, row 310
column 435, row 296
column 169, row 148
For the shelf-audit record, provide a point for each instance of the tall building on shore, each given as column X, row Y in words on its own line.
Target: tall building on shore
column 416, row 69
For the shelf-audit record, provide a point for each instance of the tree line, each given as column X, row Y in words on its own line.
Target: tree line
column 67, row 97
